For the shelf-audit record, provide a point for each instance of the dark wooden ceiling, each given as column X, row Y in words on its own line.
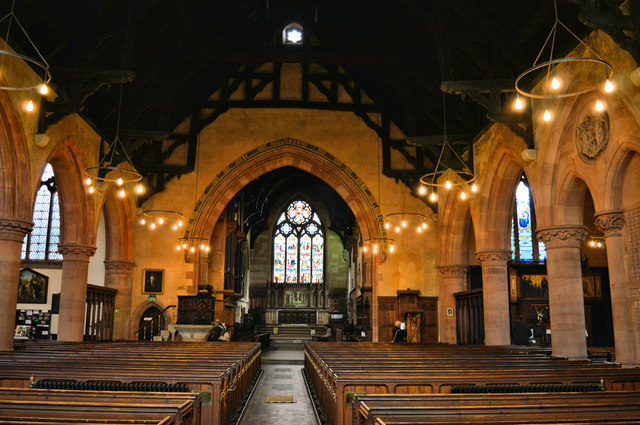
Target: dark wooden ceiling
column 172, row 55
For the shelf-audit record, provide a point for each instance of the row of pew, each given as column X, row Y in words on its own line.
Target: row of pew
column 144, row 382
column 378, row 383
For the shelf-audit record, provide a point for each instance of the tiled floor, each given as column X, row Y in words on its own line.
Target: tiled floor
column 283, row 378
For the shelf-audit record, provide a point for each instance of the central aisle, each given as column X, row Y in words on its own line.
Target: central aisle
column 282, row 377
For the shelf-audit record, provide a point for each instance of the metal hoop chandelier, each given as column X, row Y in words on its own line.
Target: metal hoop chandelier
column 192, row 244
column 40, row 64
column 401, row 221
column 379, row 245
column 157, row 217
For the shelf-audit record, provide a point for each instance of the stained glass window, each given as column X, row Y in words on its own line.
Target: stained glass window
column 42, row 242
column 298, row 245
column 524, row 245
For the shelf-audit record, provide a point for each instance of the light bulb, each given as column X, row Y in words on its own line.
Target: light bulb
column 608, row 86
column 179, row 223
column 547, row 115
column 518, row 103
column 364, row 249
column 422, row 190
column 397, row 229
column 122, row 193
column 178, row 248
column 463, row 195
column 599, row 244
column 202, row 246
column 44, row 89
column 119, row 182
column 404, row 223
column 208, row 248
column 447, row 184
column 88, row 181
column 599, row 106
column 474, row 188
column 433, row 197
column 161, row 220
column 375, row 249
column 91, row 189
column 139, row 188
column 387, row 225
column 143, row 221
column 192, row 249
column 419, row 229
column 592, row 243
column 29, row 106
column 175, row 227
column 392, row 248
column 555, row 83
column 152, row 226
column 184, row 245
column 424, row 226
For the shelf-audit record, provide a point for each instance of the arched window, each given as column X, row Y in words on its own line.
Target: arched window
column 298, row 245
column 524, row 245
column 42, row 243
column 292, row 34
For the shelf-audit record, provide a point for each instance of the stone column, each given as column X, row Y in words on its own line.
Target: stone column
column 73, row 294
column 495, row 296
column 118, row 275
column 12, row 232
column 453, row 278
column 611, row 224
column 216, row 266
column 566, row 299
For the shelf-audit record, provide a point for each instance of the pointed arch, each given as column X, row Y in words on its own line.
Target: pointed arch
column 281, row 153
column 78, row 216
column 118, row 217
column 454, row 231
column 15, row 183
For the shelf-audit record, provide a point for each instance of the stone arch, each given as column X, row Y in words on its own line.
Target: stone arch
column 137, row 313
column 78, row 217
column 494, row 201
column 118, row 217
column 617, row 173
column 454, row 232
column 280, row 153
column 15, row 193
column 569, row 204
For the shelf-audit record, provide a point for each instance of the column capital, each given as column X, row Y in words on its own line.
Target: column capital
column 569, row 236
column 453, row 270
column 76, row 251
column 14, row 229
column 497, row 257
column 610, row 222
column 119, row 266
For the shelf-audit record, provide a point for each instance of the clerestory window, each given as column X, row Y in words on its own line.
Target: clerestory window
column 298, row 245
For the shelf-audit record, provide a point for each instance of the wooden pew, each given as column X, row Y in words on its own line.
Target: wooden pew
column 220, row 372
column 623, row 407
column 336, row 371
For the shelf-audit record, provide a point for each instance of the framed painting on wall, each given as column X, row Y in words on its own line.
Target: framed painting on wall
column 152, row 281
column 32, row 287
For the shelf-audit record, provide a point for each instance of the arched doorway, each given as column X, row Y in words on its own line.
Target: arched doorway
column 149, row 331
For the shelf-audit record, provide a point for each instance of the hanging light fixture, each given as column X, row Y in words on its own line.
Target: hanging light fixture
column 552, row 70
column 123, row 174
column 39, row 64
column 401, row 222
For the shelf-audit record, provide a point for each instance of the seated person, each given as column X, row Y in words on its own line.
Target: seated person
column 217, row 331
column 399, row 332
column 327, row 334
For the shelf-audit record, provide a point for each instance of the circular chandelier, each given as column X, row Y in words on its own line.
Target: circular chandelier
column 193, row 244
column 379, row 245
column 110, row 174
column 155, row 218
column 399, row 222
column 552, row 70
column 39, row 65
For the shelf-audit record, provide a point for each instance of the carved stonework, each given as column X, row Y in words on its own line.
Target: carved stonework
column 453, row 271
column 76, row 251
column 494, row 258
column 118, row 266
column 562, row 236
column 14, row 229
column 609, row 221
column 592, row 136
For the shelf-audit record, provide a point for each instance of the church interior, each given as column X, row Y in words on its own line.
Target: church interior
column 326, row 179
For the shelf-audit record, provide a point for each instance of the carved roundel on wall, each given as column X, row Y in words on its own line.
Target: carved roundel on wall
column 592, row 136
